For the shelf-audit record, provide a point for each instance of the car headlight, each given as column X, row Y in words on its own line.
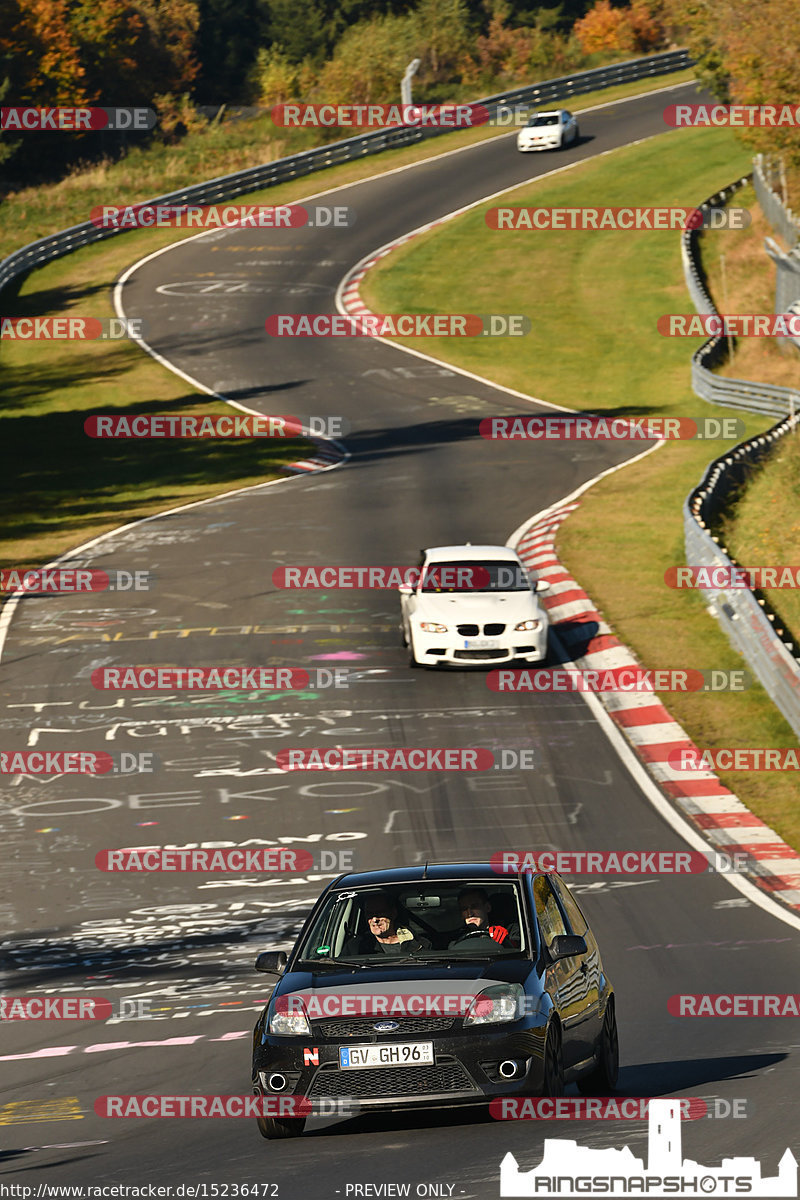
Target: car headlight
column 432, row 627
column 291, row 1020
column 496, row 1005
column 528, row 625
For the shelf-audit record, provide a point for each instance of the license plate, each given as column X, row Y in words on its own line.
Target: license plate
column 401, row 1054
column 481, row 644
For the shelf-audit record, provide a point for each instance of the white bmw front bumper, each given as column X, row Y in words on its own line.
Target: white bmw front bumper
column 458, row 649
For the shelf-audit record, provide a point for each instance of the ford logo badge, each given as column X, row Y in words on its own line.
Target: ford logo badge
column 386, row 1026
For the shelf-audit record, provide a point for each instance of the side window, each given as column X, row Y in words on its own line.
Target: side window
column 575, row 917
column 551, row 921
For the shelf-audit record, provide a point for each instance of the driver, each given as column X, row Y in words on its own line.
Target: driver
column 474, row 905
column 380, row 912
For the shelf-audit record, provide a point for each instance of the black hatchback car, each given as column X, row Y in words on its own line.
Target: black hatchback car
column 437, row 985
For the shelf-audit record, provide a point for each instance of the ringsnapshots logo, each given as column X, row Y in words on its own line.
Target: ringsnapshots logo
column 567, row 1169
column 77, row 120
column 225, row 216
column 570, row 428
column 617, row 219
column 388, row 325
column 71, row 329
column 235, row 425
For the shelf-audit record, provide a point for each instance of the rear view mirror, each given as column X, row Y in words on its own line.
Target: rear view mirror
column 567, row 945
column 271, row 962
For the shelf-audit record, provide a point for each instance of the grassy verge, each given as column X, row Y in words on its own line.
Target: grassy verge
column 219, row 150
column 61, row 488
column 594, row 299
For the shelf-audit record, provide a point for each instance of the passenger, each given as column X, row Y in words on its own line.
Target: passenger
column 380, row 912
column 475, row 908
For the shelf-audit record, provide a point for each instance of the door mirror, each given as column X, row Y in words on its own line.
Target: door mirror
column 567, row 945
column 271, row 962
column 542, row 585
column 406, row 589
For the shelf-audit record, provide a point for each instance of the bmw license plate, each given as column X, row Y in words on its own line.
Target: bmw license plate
column 481, row 644
column 401, row 1054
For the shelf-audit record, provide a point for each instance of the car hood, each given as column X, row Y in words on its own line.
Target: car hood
column 507, row 607
column 462, row 978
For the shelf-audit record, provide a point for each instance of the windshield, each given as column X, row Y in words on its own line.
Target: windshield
column 543, row 119
column 486, row 576
column 430, row 921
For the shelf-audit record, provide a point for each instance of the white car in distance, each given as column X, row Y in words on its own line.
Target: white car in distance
column 473, row 604
column 548, row 131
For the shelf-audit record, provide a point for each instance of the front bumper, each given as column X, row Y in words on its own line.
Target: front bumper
column 524, row 645
column 550, row 144
column 465, row 1069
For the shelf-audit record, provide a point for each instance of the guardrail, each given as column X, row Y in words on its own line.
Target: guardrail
column 744, row 618
column 781, row 219
column 227, row 187
column 748, row 395
column 750, row 627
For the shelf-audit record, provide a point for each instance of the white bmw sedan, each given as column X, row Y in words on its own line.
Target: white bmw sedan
column 548, row 130
column 473, row 604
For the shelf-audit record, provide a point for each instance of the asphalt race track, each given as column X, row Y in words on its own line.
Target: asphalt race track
column 418, row 475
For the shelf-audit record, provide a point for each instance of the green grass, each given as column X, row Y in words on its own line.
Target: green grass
column 594, row 299
column 61, row 488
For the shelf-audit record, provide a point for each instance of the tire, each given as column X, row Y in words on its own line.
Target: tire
column 553, row 1072
column 603, row 1079
column 280, row 1127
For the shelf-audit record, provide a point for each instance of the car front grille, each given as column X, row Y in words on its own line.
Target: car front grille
column 494, row 630
column 366, row 1028
column 381, row 1083
column 480, row 654
column 468, row 630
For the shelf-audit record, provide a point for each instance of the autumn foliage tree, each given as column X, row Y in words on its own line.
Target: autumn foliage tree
column 632, row 29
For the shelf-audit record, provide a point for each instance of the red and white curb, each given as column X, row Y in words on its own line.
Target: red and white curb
column 326, row 456
column 718, row 815
column 350, row 293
